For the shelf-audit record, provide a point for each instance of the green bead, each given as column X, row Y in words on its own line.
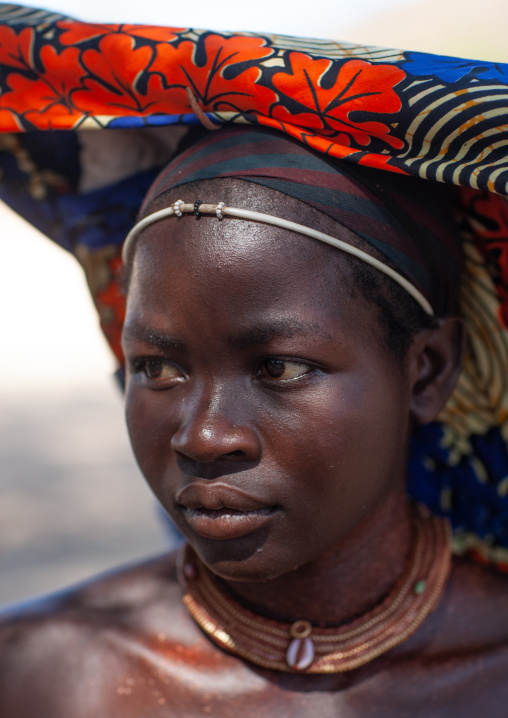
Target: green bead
column 419, row 587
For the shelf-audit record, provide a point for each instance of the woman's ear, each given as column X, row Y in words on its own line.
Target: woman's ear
column 435, row 357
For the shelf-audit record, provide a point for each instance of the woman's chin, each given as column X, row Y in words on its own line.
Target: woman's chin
column 244, row 560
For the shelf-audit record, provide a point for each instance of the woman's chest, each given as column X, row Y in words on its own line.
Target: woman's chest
column 465, row 687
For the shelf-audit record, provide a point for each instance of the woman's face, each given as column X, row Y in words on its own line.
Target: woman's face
column 262, row 407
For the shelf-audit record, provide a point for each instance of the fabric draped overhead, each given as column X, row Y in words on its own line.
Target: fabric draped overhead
column 90, row 113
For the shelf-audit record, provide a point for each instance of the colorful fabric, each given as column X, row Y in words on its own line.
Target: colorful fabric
column 411, row 222
column 438, row 118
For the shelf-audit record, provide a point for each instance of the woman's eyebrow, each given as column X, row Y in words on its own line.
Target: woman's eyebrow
column 283, row 328
column 259, row 334
column 152, row 336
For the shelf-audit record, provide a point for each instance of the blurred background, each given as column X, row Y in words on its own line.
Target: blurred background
column 72, row 501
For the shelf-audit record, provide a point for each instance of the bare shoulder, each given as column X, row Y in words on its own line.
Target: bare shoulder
column 471, row 621
column 478, row 596
column 121, row 592
column 74, row 650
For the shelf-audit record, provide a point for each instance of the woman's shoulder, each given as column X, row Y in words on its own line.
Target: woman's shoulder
column 117, row 646
column 470, row 625
column 118, row 592
column 82, row 644
column 478, row 595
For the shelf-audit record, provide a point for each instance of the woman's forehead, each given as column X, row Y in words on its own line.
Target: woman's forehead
column 247, row 253
column 228, row 241
column 237, row 270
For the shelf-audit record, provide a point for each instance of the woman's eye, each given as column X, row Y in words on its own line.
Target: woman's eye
column 157, row 372
column 283, row 369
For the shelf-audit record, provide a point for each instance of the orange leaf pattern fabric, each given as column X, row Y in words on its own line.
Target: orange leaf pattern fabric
column 328, row 106
column 372, row 106
column 221, row 72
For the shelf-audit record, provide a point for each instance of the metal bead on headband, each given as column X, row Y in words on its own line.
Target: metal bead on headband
column 220, row 210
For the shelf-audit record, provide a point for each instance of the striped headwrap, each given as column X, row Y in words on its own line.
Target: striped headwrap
column 411, row 222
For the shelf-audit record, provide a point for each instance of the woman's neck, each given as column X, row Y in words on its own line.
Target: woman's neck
column 348, row 580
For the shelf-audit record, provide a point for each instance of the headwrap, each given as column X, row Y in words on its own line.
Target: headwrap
column 417, row 115
column 409, row 221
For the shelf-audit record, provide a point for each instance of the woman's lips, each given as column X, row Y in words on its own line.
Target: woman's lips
column 225, row 523
column 218, row 511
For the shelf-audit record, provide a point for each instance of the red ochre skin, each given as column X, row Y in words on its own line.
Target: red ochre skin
column 259, row 384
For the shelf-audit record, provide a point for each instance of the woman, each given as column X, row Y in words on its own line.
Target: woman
column 274, row 381
column 270, row 411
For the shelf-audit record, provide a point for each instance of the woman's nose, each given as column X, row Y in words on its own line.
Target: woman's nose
column 215, row 427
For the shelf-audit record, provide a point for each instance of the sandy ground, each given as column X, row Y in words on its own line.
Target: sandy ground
column 73, row 501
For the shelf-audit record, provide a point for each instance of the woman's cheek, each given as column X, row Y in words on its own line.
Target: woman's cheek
column 150, row 430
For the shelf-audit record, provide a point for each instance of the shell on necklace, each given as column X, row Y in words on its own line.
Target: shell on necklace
column 301, row 647
column 300, row 652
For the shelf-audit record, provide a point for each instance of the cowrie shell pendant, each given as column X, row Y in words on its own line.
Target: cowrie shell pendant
column 300, row 652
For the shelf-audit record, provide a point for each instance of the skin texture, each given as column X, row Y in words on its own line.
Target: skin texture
column 254, row 365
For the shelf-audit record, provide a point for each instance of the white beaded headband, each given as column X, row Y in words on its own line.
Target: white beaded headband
column 179, row 207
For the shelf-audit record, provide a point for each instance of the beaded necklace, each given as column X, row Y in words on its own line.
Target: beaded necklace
column 302, row 647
